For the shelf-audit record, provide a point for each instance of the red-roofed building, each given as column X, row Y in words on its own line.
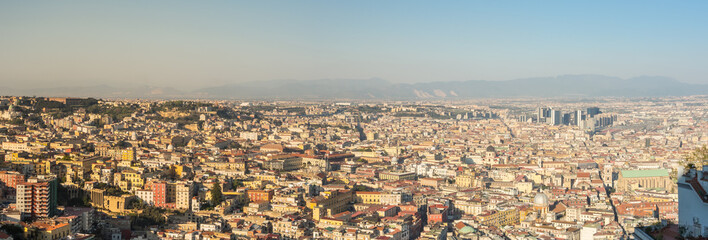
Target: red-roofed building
column 437, row 213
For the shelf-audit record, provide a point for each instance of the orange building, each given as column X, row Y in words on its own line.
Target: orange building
column 260, row 195
column 11, row 179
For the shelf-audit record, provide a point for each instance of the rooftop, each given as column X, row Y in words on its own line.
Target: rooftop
column 645, row 173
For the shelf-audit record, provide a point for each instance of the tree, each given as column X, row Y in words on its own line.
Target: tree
column 697, row 158
column 170, row 174
column 86, row 200
column 238, row 183
column 149, row 216
column 360, row 188
column 16, row 231
column 216, row 196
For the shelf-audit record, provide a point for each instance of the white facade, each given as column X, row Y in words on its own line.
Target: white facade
column 588, row 231
column 146, row 195
column 184, row 195
column 693, row 202
column 19, row 147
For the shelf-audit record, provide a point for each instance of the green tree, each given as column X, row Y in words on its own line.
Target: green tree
column 216, row 196
column 148, row 217
column 16, row 231
column 86, row 200
column 170, row 174
column 697, row 158
column 238, row 183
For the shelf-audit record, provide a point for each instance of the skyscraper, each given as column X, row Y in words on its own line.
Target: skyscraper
column 542, row 114
column 555, row 117
column 37, row 197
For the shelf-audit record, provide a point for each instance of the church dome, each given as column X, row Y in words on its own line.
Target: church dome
column 540, row 200
column 491, row 149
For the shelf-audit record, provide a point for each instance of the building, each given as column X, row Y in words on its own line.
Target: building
column 159, row 190
column 118, row 203
column 16, row 146
column 47, row 230
column 397, row 176
column 466, row 179
column 542, row 114
column 253, row 136
column 592, row 111
column 330, row 203
column 284, row 163
column 184, row 192
column 146, row 196
column 260, row 195
column 83, row 218
column 556, row 117
column 391, row 198
column 116, row 153
column 629, row 180
column 693, row 202
column 541, row 203
column 498, row 218
column 96, row 196
column 432, row 182
column 164, row 194
column 438, row 213
column 37, row 198
column 368, row 197
column 10, row 179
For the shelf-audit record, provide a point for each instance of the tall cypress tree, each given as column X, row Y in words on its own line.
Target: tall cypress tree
column 216, row 196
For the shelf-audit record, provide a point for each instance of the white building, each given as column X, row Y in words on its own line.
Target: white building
column 146, row 195
column 249, row 135
column 15, row 146
column 588, row 231
column 693, row 202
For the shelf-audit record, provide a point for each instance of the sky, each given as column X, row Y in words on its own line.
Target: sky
column 195, row 44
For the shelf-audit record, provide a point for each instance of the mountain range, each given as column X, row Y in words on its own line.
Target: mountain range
column 560, row 86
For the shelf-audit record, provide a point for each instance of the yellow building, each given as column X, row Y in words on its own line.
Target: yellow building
column 630, row 180
column 241, row 198
column 272, row 178
column 368, row 197
column 136, row 179
column 501, row 218
column 117, row 203
column 330, row 222
column 330, row 203
column 397, row 176
column 48, row 230
column 466, row 180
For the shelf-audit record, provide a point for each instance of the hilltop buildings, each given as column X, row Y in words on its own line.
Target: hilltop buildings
column 319, row 170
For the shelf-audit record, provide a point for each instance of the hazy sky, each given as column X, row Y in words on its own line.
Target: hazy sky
column 190, row 44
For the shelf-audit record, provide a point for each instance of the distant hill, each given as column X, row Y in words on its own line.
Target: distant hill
column 100, row 91
column 301, row 89
column 561, row 86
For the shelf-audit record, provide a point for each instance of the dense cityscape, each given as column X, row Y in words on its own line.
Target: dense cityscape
column 596, row 168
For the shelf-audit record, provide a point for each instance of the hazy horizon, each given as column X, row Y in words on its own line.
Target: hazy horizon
column 190, row 45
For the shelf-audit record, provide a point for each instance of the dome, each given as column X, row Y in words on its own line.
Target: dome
column 540, row 200
column 491, row 149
